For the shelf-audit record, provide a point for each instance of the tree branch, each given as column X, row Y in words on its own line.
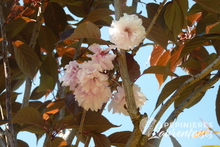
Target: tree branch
column 10, row 133
column 135, row 115
column 81, row 127
column 186, row 84
column 27, row 91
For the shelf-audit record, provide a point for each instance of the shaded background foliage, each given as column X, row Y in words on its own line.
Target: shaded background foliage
column 180, row 36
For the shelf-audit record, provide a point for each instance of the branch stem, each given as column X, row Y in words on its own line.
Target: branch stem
column 182, row 87
column 10, row 133
column 28, row 84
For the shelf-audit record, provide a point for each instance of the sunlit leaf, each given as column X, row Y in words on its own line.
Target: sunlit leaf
column 28, row 115
column 55, row 106
column 170, row 87
column 163, row 70
column 119, row 139
column 56, row 142
column 156, row 54
column 26, row 58
column 211, row 146
column 16, row 26
column 217, row 106
column 86, row 30
column 55, row 18
column 200, row 133
column 194, row 17
column 175, row 60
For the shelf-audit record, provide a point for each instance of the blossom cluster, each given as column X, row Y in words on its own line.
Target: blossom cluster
column 88, row 79
column 118, row 103
column 89, row 84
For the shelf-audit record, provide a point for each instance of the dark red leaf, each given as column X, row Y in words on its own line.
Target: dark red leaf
column 119, row 139
column 133, row 67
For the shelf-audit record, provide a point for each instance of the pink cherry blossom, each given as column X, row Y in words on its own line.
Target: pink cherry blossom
column 70, row 75
column 92, row 90
column 118, row 102
column 127, row 32
column 102, row 56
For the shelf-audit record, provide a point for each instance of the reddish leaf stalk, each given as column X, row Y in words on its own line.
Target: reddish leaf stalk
column 32, row 44
column 10, row 129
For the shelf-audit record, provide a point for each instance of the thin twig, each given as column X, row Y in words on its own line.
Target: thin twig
column 186, row 84
column 10, row 130
column 78, row 49
column 87, row 141
column 70, row 135
column 81, row 127
column 28, row 84
column 155, row 17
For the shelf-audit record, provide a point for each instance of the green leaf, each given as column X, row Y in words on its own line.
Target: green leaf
column 163, row 70
column 49, row 67
column 119, row 139
column 215, row 29
column 26, row 58
column 16, row 26
column 196, row 42
column 174, row 17
column 37, row 95
column 217, row 106
column 28, row 115
column 47, row 83
column 174, row 141
column 55, row 18
column 170, row 87
column 99, row 14
column 192, row 63
column 86, row 30
column 211, row 5
column 46, row 39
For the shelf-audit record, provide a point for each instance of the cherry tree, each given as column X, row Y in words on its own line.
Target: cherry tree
column 84, row 72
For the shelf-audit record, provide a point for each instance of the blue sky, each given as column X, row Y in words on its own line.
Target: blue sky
column 205, row 109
